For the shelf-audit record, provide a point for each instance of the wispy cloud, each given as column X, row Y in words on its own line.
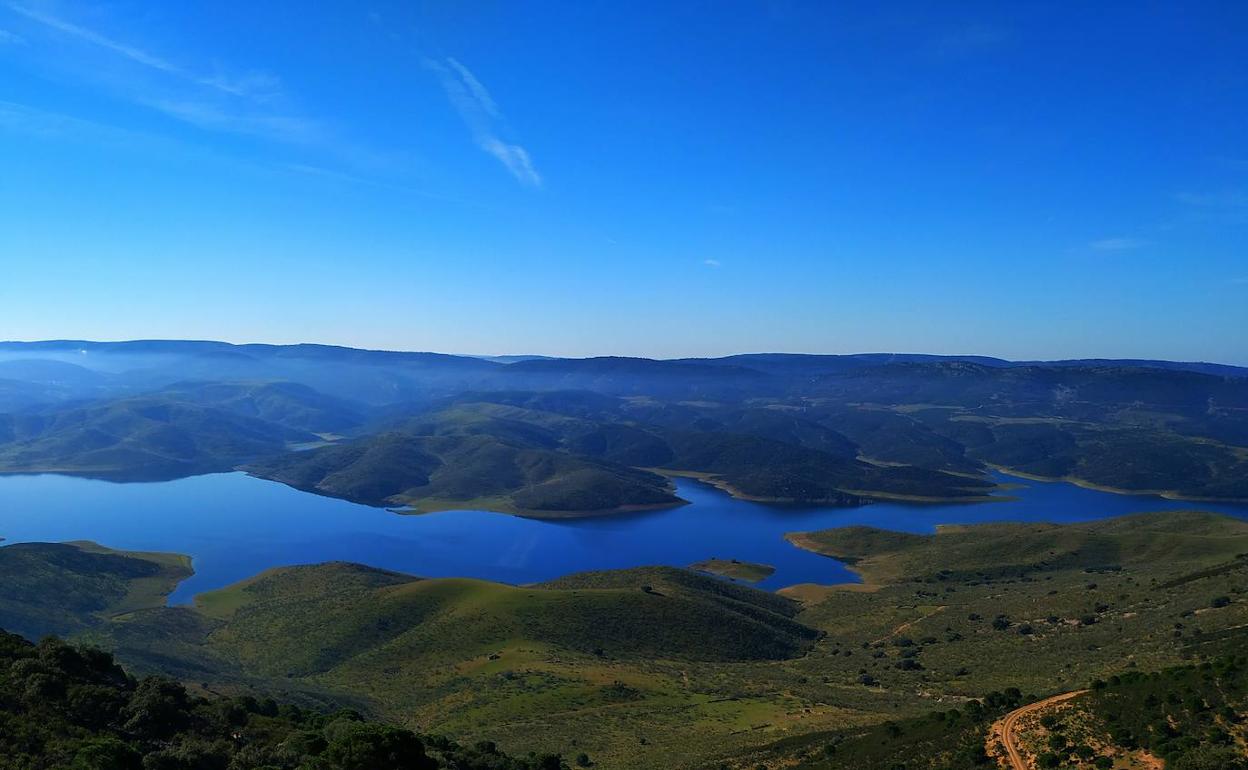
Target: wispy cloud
column 252, row 85
column 481, row 114
column 31, row 121
column 514, row 157
column 250, row 104
column 214, row 117
column 208, row 98
column 480, row 96
column 1118, row 244
column 712, row 263
column 10, row 38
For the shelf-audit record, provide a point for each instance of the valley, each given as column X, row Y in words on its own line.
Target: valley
column 760, row 385
column 835, row 562
column 636, row 665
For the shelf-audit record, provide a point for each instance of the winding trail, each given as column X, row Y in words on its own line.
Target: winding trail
column 1006, row 728
column 909, row 624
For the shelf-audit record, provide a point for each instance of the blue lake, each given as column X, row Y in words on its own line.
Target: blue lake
column 235, row 526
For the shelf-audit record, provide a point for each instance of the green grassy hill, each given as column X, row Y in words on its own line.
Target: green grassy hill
column 1160, row 542
column 766, row 454
column 142, row 437
column 53, row 588
column 744, row 571
column 597, row 659
column 67, row 707
column 763, row 469
column 767, row 426
column 466, row 471
column 667, row 667
column 291, row 405
column 1039, row 607
column 309, row 621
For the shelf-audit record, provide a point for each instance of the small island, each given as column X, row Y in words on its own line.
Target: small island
column 745, row 571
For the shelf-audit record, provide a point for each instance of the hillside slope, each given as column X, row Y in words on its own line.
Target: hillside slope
column 138, row 438
column 466, row 471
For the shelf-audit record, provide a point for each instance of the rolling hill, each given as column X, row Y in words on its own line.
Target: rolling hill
column 774, row 427
column 465, row 471
column 137, row 438
column 949, row 632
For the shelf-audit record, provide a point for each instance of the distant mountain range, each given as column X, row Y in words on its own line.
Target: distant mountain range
column 77, row 351
column 638, row 666
column 561, row 436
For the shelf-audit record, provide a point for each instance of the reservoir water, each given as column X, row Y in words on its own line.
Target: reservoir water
column 235, row 526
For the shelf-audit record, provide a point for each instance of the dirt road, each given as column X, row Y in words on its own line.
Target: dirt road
column 1005, row 729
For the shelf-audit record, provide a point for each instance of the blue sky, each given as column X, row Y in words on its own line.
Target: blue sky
column 1029, row 180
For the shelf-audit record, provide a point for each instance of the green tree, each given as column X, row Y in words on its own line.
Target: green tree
column 106, row 754
column 370, row 746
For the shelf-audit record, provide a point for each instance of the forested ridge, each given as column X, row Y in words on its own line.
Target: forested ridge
column 64, row 706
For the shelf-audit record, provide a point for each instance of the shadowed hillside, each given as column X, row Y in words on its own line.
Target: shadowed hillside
column 439, row 472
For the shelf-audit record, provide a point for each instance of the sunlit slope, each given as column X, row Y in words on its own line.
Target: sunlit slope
column 303, row 621
column 1160, row 543
column 702, row 669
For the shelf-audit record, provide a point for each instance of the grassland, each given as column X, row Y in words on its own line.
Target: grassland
column 745, row 571
column 667, row 667
column 1183, row 718
column 66, row 588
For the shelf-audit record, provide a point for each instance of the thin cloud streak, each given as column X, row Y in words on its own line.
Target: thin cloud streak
column 284, row 128
column 55, row 126
column 480, row 113
column 712, row 263
column 247, row 105
column 30, row 121
column 11, row 38
column 515, row 158
column 482, row 96
column 254, row 85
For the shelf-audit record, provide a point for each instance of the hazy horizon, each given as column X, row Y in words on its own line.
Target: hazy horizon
column 540, row 354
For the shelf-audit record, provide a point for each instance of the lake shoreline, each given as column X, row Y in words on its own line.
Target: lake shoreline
column 235, row 525
column 1164, row 494
column 865, row 497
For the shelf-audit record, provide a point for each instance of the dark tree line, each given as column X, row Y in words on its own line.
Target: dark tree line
column 63, row 706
